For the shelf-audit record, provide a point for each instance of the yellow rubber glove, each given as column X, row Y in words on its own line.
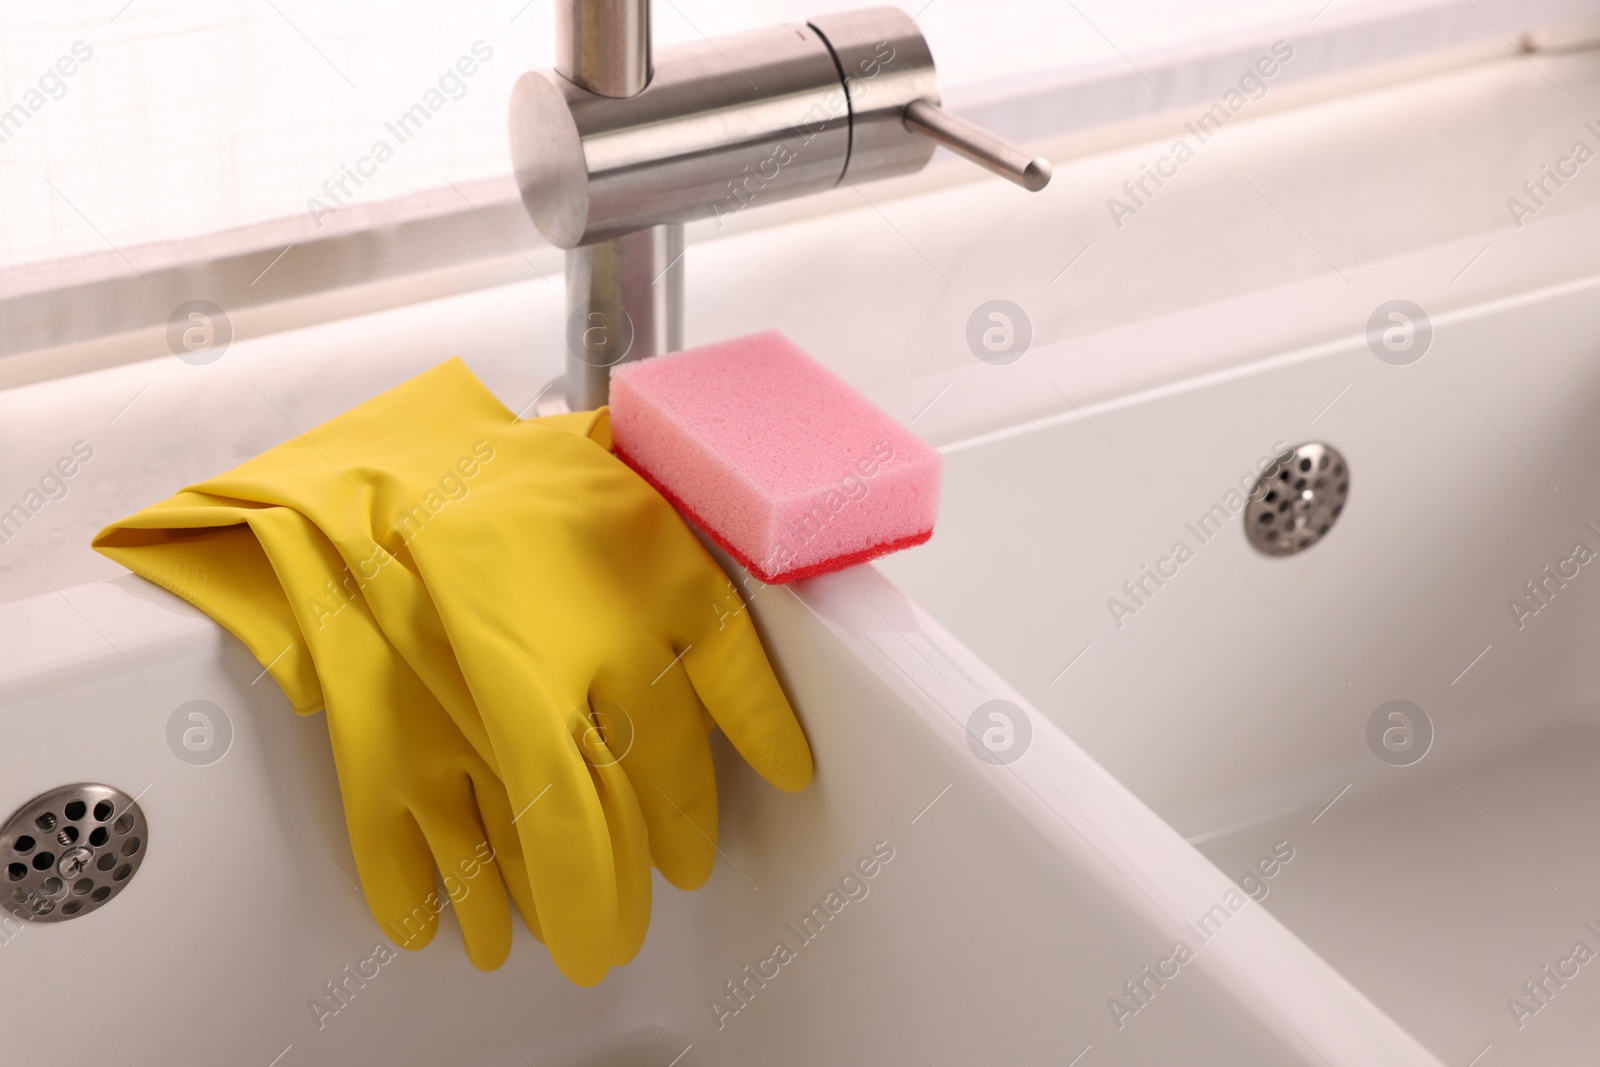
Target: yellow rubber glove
column 413, row 788
column 566, row 619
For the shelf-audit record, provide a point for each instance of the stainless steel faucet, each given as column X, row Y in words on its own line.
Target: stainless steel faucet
column 617, row 148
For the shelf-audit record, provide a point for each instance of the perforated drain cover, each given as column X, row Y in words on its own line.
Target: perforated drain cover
column 70, row 850
column 1297, row 500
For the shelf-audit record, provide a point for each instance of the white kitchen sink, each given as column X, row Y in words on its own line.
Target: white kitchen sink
column 1198, row 776
column 1233, row 692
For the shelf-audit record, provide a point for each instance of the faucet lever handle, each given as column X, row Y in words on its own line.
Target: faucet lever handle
column 977, row 144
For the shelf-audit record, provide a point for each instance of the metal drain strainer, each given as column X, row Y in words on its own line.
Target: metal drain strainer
column 1297, row 500
column 70, row 850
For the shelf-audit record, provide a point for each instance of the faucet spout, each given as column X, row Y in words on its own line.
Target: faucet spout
column 617, row 148
column 992, row 153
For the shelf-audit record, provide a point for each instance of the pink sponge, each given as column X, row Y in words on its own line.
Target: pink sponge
column 782, row 463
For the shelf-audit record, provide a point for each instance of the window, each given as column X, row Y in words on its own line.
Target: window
column 130, row 125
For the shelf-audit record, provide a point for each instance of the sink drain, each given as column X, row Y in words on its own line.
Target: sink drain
column 68, row 851
column 1297, row 500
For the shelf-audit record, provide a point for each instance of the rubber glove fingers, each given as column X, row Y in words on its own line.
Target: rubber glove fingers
column 657, row 731
column 402, row 762
column 734, row 679
column 396, row 870
column 696, row 606
column 469, row 870
column 630, row 846
column 559, row 813
column 402, row 855
column 494, row 807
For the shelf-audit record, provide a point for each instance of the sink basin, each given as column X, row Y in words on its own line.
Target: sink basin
column 1096, row 560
